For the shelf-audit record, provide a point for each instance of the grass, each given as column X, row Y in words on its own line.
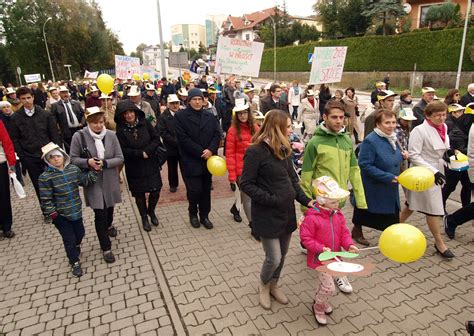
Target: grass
column 440, row 92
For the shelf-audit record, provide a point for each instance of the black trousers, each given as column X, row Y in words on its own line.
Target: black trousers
column 173, row 163
column 461, row 216
column 198, row 191
column 294, row 114
column 35, row 167
column 452, row 179
column 72, row 233
column 103, row 220
column 5, row 203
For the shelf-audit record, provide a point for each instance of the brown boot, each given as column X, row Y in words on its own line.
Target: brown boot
column 358, row 236
column 264, row 295
column 277, row 293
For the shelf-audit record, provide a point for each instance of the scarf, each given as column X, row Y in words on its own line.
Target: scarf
column 296, row 90
column 392, row 138
column 99, row 145
column 441, row 129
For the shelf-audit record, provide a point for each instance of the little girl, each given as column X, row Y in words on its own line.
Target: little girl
column 324, row 229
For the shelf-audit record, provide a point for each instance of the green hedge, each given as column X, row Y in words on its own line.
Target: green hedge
column 432, row 51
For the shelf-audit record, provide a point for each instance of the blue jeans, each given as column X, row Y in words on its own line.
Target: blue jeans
column 72, row 233
column 275, row 252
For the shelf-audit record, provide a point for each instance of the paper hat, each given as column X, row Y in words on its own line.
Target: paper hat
column 94, row 88
column 455, row 108
column 384, row 94
column 62, row 88
column 183, row 92
column 10, row 90
column 149, row 87
column 48, row 148
column 91, row 111
column 406, row 113
column 213, row 90
column 104, row 96
column 172, row 98
column 310, row 93
column 52, row 88
column 469, row 109
column 328, row 188
column 257, row 115
column 134, row 91
column 427, row 89
column 248, row 89
column 240, row 105
column 458, row 162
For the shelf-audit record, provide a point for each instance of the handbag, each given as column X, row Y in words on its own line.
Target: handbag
column 85, row 153
column 17, row 186
column 161, row 155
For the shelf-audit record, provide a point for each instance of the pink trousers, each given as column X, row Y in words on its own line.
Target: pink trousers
column 324, row 292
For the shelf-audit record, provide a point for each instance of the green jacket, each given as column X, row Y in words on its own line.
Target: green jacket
column 330, row 154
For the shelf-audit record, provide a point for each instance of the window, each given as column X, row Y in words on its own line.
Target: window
column 247, row 37
column 423, row 10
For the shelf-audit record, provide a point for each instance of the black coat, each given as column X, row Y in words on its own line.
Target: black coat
column 273, row 186
column 59, row 112
column 167, row 128
column 196, row 131
column 268, row 104
column 466, row 99
column 29, row 134
column 154, row 103
column 143, row 175
column 419, row 113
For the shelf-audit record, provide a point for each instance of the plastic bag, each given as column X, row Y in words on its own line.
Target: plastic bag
column 17, row 186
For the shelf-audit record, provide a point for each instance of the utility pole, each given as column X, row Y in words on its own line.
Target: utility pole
column 463, row 43
column 162, row 47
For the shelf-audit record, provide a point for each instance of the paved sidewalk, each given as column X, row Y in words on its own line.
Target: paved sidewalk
column 178, row 280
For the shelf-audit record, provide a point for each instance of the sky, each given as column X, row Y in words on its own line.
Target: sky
column 137, row 21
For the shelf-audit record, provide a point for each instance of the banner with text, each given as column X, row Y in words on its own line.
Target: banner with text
column 238, row 57
column 91, row 74
column 328, row 65
column 148, row 69
column 126, row 66
column 33, row 78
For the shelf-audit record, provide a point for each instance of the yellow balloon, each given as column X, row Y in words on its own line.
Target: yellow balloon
column 146, row 76
column 136, row 77
column 216, row 165
column 417, row 179
column 402, row 243
column 105, row 83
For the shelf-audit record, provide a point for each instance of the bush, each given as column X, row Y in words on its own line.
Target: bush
column 432, row 51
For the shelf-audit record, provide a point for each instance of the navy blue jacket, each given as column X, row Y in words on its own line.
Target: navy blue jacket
column 379, row 164
column 196, row 131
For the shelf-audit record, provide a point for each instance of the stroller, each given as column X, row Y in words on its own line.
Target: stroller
column 297, row 147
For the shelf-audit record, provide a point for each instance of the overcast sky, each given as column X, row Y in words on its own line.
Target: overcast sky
column 136, row 21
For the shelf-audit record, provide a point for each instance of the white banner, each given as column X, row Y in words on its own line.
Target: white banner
column 238, row 57
column 328, row 65
column 147, row 69
column 126, row 66
column 91, row 75
column 33, row 78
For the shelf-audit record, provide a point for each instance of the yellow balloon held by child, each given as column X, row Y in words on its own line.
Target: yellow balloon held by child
column 402, row 243
column 105, row 83
column 136, row 77
column 417, row 179
column 216, row 165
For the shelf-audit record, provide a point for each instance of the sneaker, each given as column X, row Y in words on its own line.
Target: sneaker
column 109, row 257
column 9, row 234
column 448, row 229
column 112, row 231
column 343, row 284
column 76, row 269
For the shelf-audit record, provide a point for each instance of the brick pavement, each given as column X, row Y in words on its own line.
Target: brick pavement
column 179, row 280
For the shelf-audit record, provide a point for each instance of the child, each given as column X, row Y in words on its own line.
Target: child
column 60, row 200
column 324, row 229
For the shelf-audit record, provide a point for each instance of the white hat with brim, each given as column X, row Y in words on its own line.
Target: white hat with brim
column 310, row 93
column 384, row 94
column 134, row 91
column 406, row 113
column 328, row 188
column 267, row 87
column 455, row 108
column 257, row 115
column 150, row 87
column 90, row 111
column 10, row 90
column 427, row 89
column 240, row 105
column 172, row 98
column 48, row 148
column 52, row 88
column 183, row 92
column 62, row 88
column 104, row 96
column 94, row 89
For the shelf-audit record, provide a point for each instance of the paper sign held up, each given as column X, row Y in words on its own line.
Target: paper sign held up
column 238, row 57
column 328, row 65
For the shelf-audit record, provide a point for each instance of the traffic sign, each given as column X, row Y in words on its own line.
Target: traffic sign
column 310, row 58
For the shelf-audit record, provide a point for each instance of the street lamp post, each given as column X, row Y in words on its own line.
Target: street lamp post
column 463, row 43
column 68, row 66
column 274, row 46
column 47, row 49
column 162, row 48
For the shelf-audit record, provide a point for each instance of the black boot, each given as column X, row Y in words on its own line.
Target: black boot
column 152, row 202
column 236, row 213
column 141, row 205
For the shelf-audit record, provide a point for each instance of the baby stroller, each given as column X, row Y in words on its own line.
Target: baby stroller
column 297, row 147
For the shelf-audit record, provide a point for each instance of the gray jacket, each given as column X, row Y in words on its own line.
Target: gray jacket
column 107, row 187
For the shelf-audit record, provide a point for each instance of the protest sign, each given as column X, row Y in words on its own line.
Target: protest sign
column 147, row 69
column 328, row 65
column 33, row 78
column 91, row 75
column 238, row 57
column 126, row 66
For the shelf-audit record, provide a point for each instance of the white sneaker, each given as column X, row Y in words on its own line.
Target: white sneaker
column 343, row 284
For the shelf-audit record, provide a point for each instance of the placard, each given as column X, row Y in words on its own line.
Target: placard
column 33, row 78
column 238, row 57
column 328, row 65
column 150, row 70
column 91, row 75
column 126, row 66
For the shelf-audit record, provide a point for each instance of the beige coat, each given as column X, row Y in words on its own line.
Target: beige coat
column 309, row 115
column 426, row 149
column 470, row 154
column 351, row 105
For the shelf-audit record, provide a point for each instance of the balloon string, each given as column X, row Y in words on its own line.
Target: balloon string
column 369, row 248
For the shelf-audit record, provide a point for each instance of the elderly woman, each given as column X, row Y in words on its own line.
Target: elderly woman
column 352, row 109
column 308, row 112
column 380, row 157
column 139, row 141
column 428, row 143
column 95, row 147
column 7, row 167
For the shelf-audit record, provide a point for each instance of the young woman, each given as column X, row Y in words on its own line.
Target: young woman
column 452, row 97
column 239, row 137
column 269, row 179
column 294, row 98
column 428, row 143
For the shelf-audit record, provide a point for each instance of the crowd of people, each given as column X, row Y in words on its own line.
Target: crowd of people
column 63, row 143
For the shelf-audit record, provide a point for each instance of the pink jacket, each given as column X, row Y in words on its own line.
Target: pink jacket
column 324, row 228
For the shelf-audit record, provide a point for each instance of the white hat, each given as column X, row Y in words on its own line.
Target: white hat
column 134, row 91
column 10, row 90
column 406, row 113
column 94, row 88
column 455, row 108
column 267, row 87
column 257, row 115
column 62, row 88
column 310, row 93
column 91, row 111
column 427, row 89
column 183, row 92
column 327, row 188
column 104, row 96
column 48, row 148
column 172, row 98
column 149, row 87
column 384, row 94
column 458, row 162
column 52, row 88
column 240, row 105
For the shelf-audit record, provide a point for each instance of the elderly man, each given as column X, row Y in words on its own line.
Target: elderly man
column 272, row 100
column 428, row 95
column 469, row 96
column 135, row 96
column 53, row 97
column 198, row 135
column 152, row 99
column 69, row 116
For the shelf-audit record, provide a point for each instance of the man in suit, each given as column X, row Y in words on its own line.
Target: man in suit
column 69, row 116
column 198, row 133
column 272, row 100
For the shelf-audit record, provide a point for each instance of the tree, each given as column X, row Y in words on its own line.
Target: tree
column 350, row 20
column 202, row 49
column 444, row 15
column 384, row 9
column 328, row 10
column 139, row 51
